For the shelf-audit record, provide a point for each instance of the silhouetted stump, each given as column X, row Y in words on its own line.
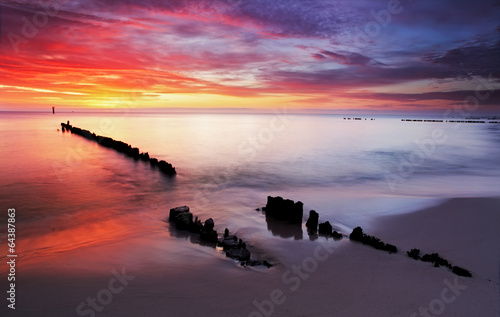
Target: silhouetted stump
column 284, row 209
column 312, row 221
column 325, row 228
column 209, row 224
column 357, row 234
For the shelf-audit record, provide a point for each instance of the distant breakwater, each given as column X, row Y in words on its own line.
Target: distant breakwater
column 452, row 121
column 122, row 147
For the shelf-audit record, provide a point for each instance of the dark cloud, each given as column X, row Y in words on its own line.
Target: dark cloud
column 348, row 58
column 355, row 77
column 465, row 62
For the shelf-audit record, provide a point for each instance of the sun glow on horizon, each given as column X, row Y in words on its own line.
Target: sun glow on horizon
column 257, row 55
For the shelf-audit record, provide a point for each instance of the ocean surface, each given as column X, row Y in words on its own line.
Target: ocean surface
column 70, row 193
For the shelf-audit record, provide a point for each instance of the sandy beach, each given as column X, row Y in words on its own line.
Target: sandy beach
column 318, row 278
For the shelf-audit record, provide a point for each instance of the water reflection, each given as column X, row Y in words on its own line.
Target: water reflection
column 284, row 229
column 194, row 238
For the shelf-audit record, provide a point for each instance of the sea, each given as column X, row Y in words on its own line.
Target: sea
column 70, row 193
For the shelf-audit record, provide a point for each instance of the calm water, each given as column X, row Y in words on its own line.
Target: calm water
column 70, row 193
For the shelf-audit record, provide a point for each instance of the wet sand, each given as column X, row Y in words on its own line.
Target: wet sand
column 161, row 275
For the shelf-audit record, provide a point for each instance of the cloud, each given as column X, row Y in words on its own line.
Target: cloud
column 468, row 61
column 347, row 58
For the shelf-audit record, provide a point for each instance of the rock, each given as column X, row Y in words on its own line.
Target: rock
column 337, row 235
column 209, row 225
column 196, row 226
column 238, row 254
column 391, row 248
column 230, row 242
column 177, row 210
column 414, row 254
column 257, row 263
column 312, row 222
column 153, row 161
column 325, row 228
column 357, row 234
column 284, row 209
column 183, row 220
column 209, row 236
column 144, row 156
column 166, row 168
column 461, row 272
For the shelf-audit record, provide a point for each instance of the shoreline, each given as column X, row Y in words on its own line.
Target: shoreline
column 319, row 278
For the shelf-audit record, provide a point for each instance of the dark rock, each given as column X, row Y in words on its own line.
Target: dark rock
column 284, row 209
column 391, row 248
column 183, row 220
column 337, row 235
column 166, row 168
column 414, row 254
column 177, row 210
column 144, row 156
column 121, row 147
column 209, row 236
column 153, row 161
column 196, row 226
column 461, row 272
column 230, row 242
column 238, row 254
column 312, row 222
column 325, row 228
column 258, row 263
column 357, row 234
column 209, row 225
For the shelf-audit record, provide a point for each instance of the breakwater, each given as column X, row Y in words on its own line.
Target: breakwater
column 122, row 147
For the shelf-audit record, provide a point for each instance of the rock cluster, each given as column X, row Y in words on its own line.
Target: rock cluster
column 324, row 228
column 232, row 246
column 291, row 212
column 121, row 147
column 357, row 234
column 284, row 209
column 438, row 261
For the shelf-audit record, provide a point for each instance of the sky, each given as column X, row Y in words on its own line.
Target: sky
column 355, row 55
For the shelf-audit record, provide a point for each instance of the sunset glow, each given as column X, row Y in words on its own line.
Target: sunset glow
column 338, row 55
